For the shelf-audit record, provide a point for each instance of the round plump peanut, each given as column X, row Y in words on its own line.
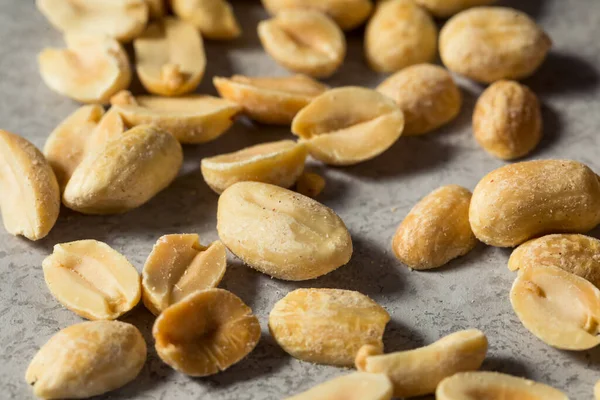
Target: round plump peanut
column 282, row 233
column 399, row 34
column 87, row 359
column 436, row 230
column 520, row 201
column 214, row 18
column 304, row 41
column 507, row 121
column 327, row 326
column 447, row 8
column 492, row 43
column 354, row 386
column 426, row 94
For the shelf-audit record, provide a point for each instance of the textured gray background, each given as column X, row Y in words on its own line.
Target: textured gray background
column 372, row 198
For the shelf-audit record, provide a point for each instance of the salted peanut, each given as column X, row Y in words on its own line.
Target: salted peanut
column 436, row 230
column 494, row 386
column 90, row 70
column 447, row 8
column 191, row 119
column 399, row 34
column 110, row 126
column 354, row 386
column 170, row 59
column 156, row 8
column 327, row 326
column 214, row 18
column 66, row 145
column 310, row 184
column 304, row 41
column 129, row 171
column 520, row 201
column 270, row 100
column 418, row 372
column 31, row 200
column 87, row 359
column 349, row 125
column 280, row 232
column 487, row 44
column 178, row 266
column 278, row 163
column 426, row 94
column 206, row 332
column 507, row 120
column 597, row 390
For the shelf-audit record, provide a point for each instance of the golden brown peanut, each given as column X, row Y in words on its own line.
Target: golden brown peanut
column 178, row 266
column 92, row 279
column 487, row 44
column 349, row 125
column 156, row 8
column 426, row 94
column 87, row 359
column 310, row 184
column 354, row 386
column 399, row 34
column 418, row 372
column 31, row 200
column 278, row 163
column 520, row 201
column 191, row 119
column 281, row 233
column 122, row 20
column 206, row 332
column 507, row 121
column 327, row 326
column 131, row 169
column 577, row 254
column 494, row 386
column 447, row 8
column 214, row 18
column 90, row 70
column 559, row 308
column 170, row 59
column 304, row 41
column 66, row 145
column 270, row 100
column 110, row 127
column 436, row 230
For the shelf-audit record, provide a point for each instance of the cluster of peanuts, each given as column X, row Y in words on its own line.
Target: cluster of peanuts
column 110, row 162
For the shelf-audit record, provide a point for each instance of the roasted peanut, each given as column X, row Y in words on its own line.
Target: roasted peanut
column 156, row 8
column 214, row 18
column 310, row 184
column 447, row 8
column 354, row 386
column 110, row 127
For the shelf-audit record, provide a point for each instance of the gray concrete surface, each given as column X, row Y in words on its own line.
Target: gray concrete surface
column 372, row 198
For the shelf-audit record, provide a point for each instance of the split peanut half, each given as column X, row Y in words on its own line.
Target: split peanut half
column 31, row 200
column 214, row 18
column 597, row 391
column 310, row 184
column 170, row 59
column 90, row 70
column 354, row 386
column 178, row 266
column 348, row 125
column 110, row 127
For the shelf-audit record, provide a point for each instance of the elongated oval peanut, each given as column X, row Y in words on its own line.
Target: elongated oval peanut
column 206, row 332
column 436, row 230
column 507, row 121
column 270, row 100
column 282, row 233
column 130, row 170
column 31, row 200
column 304, row 41
column 519, row 201
column 327, row 326
column 447, row 8
column 213, row 18
column 87, row 359
column 178, row 266
column 399, row 34
column 494, row 386
column 487, row 44
column 354, row 386
column 418, row 372
column 278, row 163
column 349, row 125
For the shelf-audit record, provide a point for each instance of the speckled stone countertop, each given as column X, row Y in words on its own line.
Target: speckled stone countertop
column 372, row 198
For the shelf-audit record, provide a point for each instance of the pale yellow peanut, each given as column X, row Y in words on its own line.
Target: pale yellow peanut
column 399, row 34
column 597, row 390
column 520, row 201
column 282, row 233
column 108, row 128
column 206, row 332
column 87, row 359
column 270, row 100
column 327, row 326
column 353, row 386
column 447, row 8
column 310, row 184
column 31, row 200
column 178, row 266
column 213, row 18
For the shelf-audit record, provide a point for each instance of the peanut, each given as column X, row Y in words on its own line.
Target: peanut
column 310, row 184
column 447, row 8
column 214, row 18
column 354, row 386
